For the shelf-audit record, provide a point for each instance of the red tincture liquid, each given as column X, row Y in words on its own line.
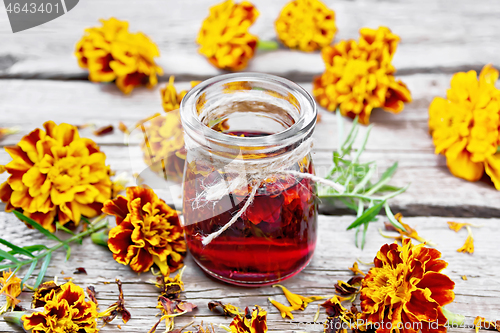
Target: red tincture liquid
column 273, row 240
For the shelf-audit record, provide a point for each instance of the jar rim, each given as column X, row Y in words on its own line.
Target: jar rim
column 301, row 128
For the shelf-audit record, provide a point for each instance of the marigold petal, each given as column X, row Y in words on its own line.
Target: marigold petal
column 422, row 306
column 461, row 166
column 142, row 262
column 117, row 207
column 440, row 285
column 492, row 168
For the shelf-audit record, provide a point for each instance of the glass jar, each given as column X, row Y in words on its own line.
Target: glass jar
column 249, row 217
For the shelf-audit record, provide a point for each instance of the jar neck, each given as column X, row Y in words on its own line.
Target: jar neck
column 247, row 116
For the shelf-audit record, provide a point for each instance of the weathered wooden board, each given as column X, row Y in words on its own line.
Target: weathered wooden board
column 402, row 137
column 437, row 36
column 478, row 295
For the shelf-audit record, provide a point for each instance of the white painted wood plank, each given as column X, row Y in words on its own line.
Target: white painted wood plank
column 335, row 252
column 436, row 35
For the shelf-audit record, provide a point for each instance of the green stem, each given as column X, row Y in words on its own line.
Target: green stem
column 365, row 197
column 267, row 45
column 92, row 229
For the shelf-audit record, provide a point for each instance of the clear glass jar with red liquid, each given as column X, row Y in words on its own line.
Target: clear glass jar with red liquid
column 250, row 217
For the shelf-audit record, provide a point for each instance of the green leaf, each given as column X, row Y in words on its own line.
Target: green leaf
column 384, row 179
column 364, row 180
column 43, row 269
column 16, row 249
column 349, row 140
column 388, row 188
column 4, row 267
column 33, row 248
column 267, row 45
column 7, row 255
column 368, row 215
column 59, row 226
column 68, row 252
column 391, row 217
column 37, row 226
column 28, row 273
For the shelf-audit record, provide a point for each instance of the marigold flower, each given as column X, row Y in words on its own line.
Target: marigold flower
column 307, row 25
column 163, row 147
column 224, row 38
column 64, row 311
column 112, row 53
column 251, row 322
column 465, row 125
column 44, row 290
column 147, row 231
column 11, row 288
column 406, row 288
column 55, row 174
column 359, row 76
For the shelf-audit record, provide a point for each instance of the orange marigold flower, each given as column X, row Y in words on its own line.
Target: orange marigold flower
column 227, row 309
column 406, row 288
column 65, row 310
column 359, row 76
column 163, row 147
column 251, row 322
column 10, row 287
column 465, row 125
column 147, row 231
column 224, row 38
column 307, row 25
column 112, row 53
column 56, row 174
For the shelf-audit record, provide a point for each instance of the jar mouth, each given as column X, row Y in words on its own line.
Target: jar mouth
column 304, row 120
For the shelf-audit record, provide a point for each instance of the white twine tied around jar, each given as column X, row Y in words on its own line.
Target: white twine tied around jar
column 251, row 172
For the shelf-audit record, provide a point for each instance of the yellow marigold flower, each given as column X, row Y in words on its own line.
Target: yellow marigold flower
column 406, row 288
column 251, row 322
column 56, row 174
column 457, row 226
column 297, row 301
column 359, row 76
column 147, row 231
column 307, row 25
column 224, row 38
column 112, row 53
column 465, row 125
column 163, row 147
column 10, row 287
column 65, row 310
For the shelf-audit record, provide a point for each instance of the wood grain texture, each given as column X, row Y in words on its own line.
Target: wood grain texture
column 437, row 36
column 395, row 137
column 478, row 295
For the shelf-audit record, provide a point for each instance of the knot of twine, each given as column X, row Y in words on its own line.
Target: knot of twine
column 253, row 173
